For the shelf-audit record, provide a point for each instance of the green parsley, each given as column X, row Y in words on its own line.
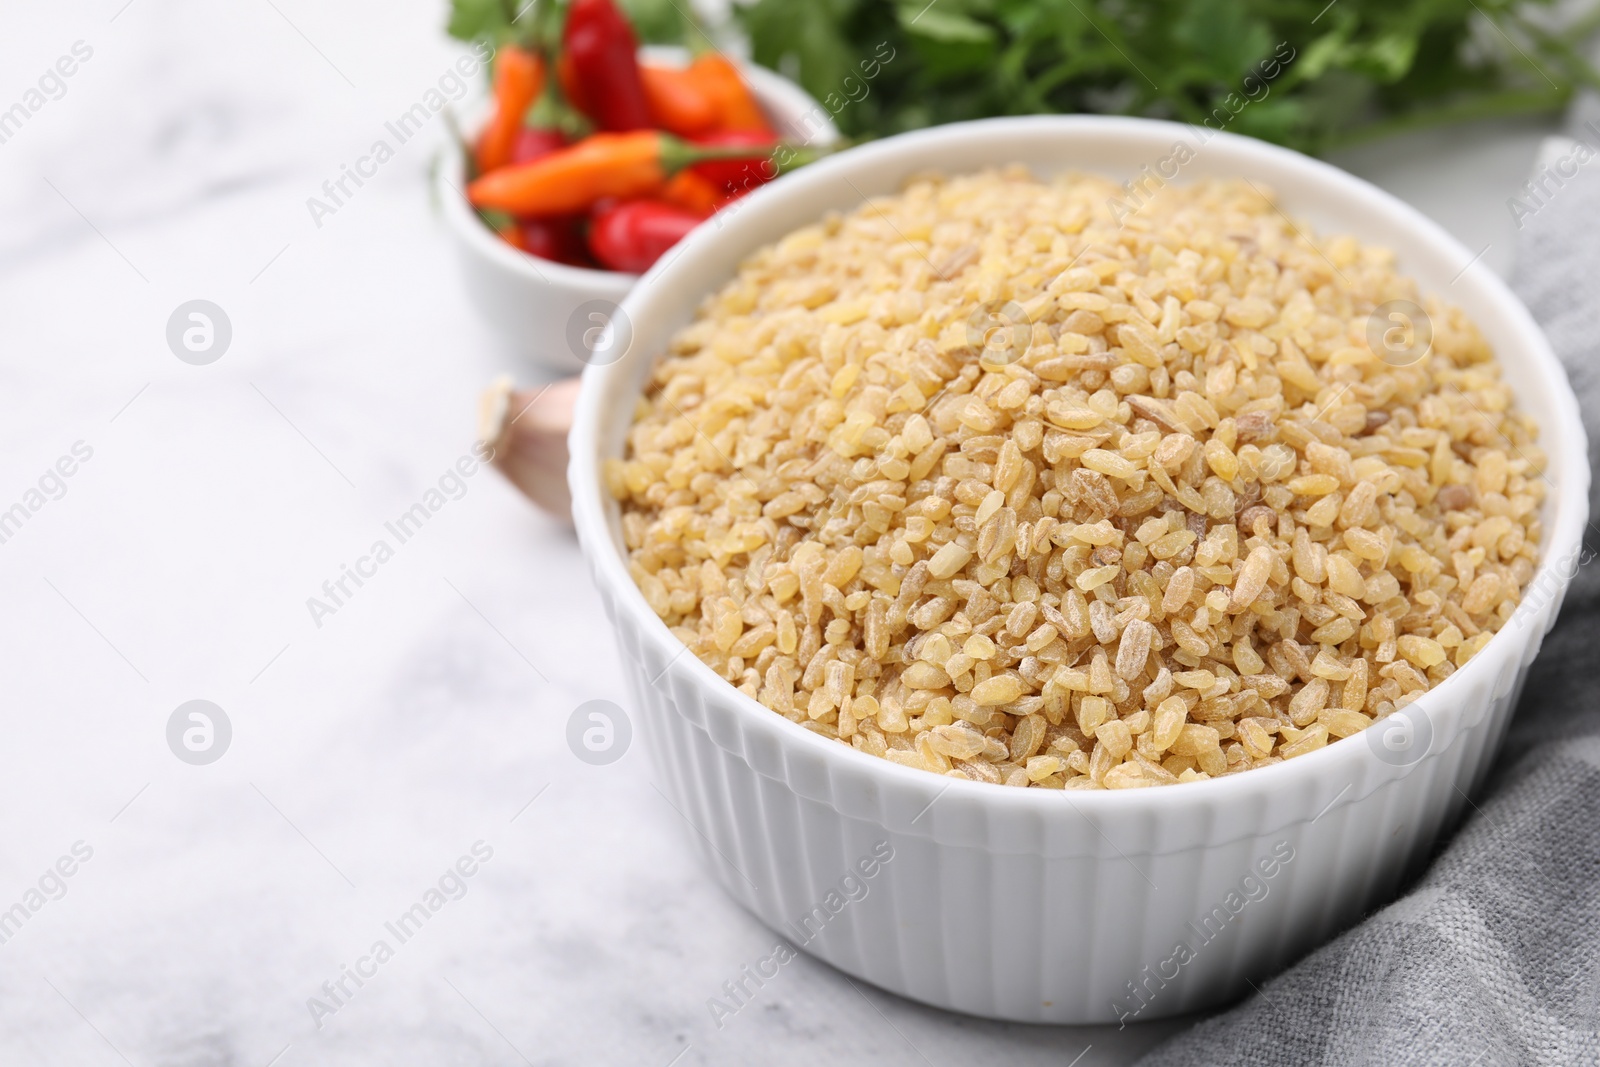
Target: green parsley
column 1355, row 68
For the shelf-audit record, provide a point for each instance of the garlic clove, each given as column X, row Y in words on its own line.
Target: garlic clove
column 527, row 430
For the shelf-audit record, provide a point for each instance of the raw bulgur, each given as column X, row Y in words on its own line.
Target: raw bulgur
column 984, row 480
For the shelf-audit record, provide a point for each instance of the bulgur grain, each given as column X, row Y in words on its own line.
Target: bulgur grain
column 1183, row 524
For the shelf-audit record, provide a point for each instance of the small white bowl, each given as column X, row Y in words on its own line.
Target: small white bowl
column 1041, row 905
column 537, row 305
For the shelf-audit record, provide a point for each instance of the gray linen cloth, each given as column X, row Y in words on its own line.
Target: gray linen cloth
column 1493, row 955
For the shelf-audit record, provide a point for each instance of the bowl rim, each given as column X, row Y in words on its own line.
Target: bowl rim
column 777, row 94
column 1567, row 506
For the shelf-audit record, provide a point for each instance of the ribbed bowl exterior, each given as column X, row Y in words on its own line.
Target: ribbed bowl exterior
column 1047, row 914
column 1040, row 905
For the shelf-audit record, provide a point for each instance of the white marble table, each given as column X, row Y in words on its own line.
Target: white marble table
column 374, row 746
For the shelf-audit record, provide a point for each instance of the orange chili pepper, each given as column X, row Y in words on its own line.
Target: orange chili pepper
column 677, row 100
column 511, row 234
column 518, row 78
column 719, row 79
column 624, row 166
column 692, row 192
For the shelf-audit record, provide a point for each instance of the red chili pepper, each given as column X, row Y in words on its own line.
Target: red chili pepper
column 567, row 78
column 558, row 238
column 632, row 236
column 605, row 66
column 534, row 142
column 738, row 173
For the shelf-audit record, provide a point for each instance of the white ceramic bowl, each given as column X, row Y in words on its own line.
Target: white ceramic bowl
column 1039, row 905
column 531, row 301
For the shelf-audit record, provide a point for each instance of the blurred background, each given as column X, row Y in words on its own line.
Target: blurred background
column 168, row 518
